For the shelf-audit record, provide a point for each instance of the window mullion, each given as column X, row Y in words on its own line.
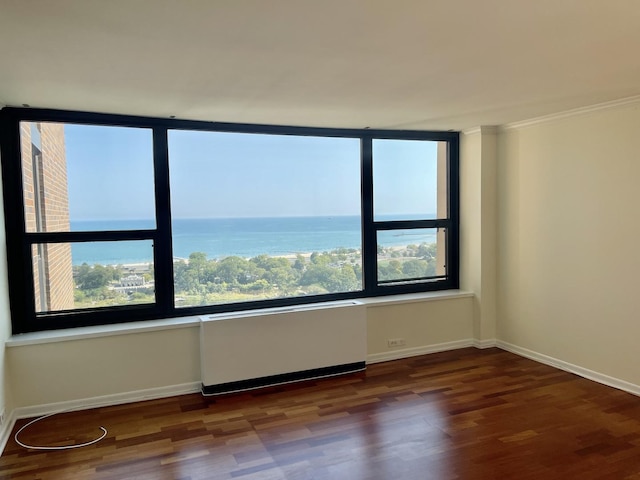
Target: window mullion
column 409, row 224
column 369, row 248
column 453, row 199
column 163, row 250
column 21, row 288
column 92, row 236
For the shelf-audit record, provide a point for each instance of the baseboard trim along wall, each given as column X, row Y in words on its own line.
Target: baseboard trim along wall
column 162, row 392
column 93, row 402
column 6, row 428
column 571, row 368
column 416, row 351
column 193, row 387
column 481, row 344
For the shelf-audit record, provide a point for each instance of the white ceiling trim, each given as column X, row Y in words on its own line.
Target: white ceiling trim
column 622, row 102
column 484, row 129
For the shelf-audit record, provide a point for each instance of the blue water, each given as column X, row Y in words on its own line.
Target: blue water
column 244, row 237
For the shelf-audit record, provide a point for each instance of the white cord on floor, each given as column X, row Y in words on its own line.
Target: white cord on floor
column 64, row 447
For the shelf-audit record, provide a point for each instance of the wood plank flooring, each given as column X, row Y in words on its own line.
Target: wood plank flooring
column 465, row 414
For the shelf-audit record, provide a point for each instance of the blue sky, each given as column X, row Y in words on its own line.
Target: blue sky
column 243, row 175
column 110, row 174
column 405, row 178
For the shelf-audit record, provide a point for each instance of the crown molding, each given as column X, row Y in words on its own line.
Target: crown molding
column 483, row 129
column 622, row 102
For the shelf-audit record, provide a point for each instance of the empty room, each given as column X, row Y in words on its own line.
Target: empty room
column 356, row 239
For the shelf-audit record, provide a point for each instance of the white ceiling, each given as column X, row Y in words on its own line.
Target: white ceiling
column 416, row 64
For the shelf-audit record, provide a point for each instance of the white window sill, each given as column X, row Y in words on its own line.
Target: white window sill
column 83, row 333
column 415, row 297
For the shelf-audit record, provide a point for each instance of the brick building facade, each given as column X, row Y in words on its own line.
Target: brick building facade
column 46, row 200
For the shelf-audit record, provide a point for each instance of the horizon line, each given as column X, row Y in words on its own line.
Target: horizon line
column 427, row 216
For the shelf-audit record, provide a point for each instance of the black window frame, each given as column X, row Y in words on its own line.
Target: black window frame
column 19, row 241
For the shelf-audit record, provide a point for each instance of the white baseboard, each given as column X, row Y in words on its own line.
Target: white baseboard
column 162, row 392
column 489, row 343
column 415, row 351
column 571, row 368
column 92, row 402
column 5, row 429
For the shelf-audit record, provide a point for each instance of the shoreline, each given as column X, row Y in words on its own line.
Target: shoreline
column 144, row 267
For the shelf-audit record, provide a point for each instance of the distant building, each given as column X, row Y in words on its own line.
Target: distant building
column 132, row 281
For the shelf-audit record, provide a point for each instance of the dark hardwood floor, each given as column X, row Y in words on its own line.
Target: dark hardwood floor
column 465, row 414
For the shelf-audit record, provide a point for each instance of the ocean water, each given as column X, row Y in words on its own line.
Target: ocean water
column 244, row 237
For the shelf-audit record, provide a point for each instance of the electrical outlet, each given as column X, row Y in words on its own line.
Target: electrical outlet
column 396, row 342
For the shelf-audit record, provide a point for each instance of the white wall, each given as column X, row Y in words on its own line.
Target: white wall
column 96, row 368
column 5, row 318
column 424, row 325
column 569, row 240
column 478, row 227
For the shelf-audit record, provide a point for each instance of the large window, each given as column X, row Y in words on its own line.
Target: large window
column 411, row 207
column 264, row 216
column 113, row 219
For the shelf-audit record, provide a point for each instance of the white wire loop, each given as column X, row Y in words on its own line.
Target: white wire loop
column 62, row 447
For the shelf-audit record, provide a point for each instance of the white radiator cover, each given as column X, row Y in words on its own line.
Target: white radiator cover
column 237, row 349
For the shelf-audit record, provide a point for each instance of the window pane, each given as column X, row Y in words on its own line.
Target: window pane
column 92, row 274
column 86, row 177
column 263, row 216
column 409, row 180
column 411, row 255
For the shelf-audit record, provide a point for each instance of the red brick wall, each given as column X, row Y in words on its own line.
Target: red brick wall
column 54, row 205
